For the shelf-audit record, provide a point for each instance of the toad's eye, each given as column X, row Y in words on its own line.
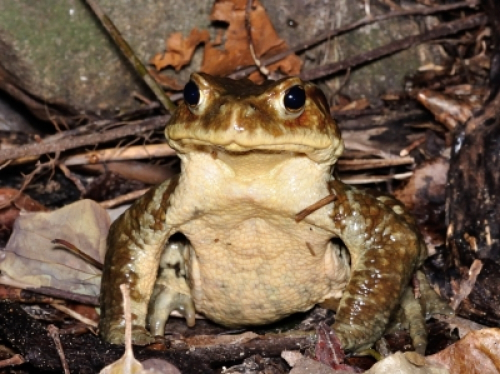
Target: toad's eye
column 191, row 93
column 294, row 99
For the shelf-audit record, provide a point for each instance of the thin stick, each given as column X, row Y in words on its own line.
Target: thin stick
column 312, row 208
column 396, row 46
column 133, row 128
column 119, row 154
column 131, row 196
column 74, row 314
column 13, row 361
column 248, row 27
column 375, row 163
column 70, row 247
column 130, row 55
column 54, row 334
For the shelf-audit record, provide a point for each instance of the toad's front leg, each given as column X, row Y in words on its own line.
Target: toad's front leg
column 385, row 249
column 134, row 246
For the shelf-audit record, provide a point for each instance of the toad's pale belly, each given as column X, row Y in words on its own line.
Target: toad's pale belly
column 258, row 271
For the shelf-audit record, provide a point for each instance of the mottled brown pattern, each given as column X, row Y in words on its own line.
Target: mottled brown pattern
column 384, row 268
column 231, row 97
column 125, row 233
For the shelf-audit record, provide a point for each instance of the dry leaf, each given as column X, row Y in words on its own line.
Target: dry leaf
column 447, row 110
column 236, row 52
column 477, row 353
column 308, row 366
column 166, row 81
column 223, row 58
column 463, row 325
column 31, row 258
column 179, row 50
column 424, row 196
column 405, row 363
column 356, row 105
column 11, row 203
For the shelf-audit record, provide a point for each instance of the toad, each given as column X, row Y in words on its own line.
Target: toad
column 227, row 232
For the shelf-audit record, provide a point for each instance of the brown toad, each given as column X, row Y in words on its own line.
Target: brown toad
column 252, row 157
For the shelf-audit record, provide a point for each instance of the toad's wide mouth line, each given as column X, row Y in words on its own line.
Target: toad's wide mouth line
column 236, row 147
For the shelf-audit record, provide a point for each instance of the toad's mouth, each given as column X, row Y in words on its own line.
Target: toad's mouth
column 321, row 152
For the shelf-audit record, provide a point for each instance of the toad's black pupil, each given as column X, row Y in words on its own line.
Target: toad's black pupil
column 191, row 93
column 295, row 98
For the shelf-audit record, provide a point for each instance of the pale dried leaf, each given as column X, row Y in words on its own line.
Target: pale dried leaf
column 30, row 256
column 179, row 50
column 477, row 353
column 236, row 51
column 291, row 357
column 127, row 365
column 399, row 363
column 464, row 326
column 308, row 366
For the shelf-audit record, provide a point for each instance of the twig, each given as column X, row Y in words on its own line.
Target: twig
column 68, row 174
column 120, row 154
column 54, row 334
column 312, row 208
column 248, row 27
column 406, row 151
column 134, row 195
column 73, row 314
column 362, row 22
column 396, row 46
column 358, row 179
column 13, row 361
column 364, row 164
column 128, row 316
column 66, row 295
column 130, row 55
column 70, row 247
column 27, row 180
column 133, row 128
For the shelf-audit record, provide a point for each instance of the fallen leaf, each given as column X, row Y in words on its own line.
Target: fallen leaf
column 166, row 81
column 236, row 52
column 11, row 204
column 308, row 366
column 328, row 350
column 179, row 50
column 31, row 258
column 446, row 109
column 292, row 357
column 477, row 353
column 463, row 325
column 356, row 105
column 405, row 363
column 222, row 58
column 424, row 195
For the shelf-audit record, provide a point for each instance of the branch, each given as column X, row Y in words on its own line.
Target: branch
column 37, row 149
column 131, row 56
column 396, row 46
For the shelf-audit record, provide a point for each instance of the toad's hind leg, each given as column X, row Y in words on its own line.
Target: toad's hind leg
column 171, row 291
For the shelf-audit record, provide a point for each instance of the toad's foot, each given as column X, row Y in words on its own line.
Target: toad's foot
column 164, row 302
column 171, row 291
